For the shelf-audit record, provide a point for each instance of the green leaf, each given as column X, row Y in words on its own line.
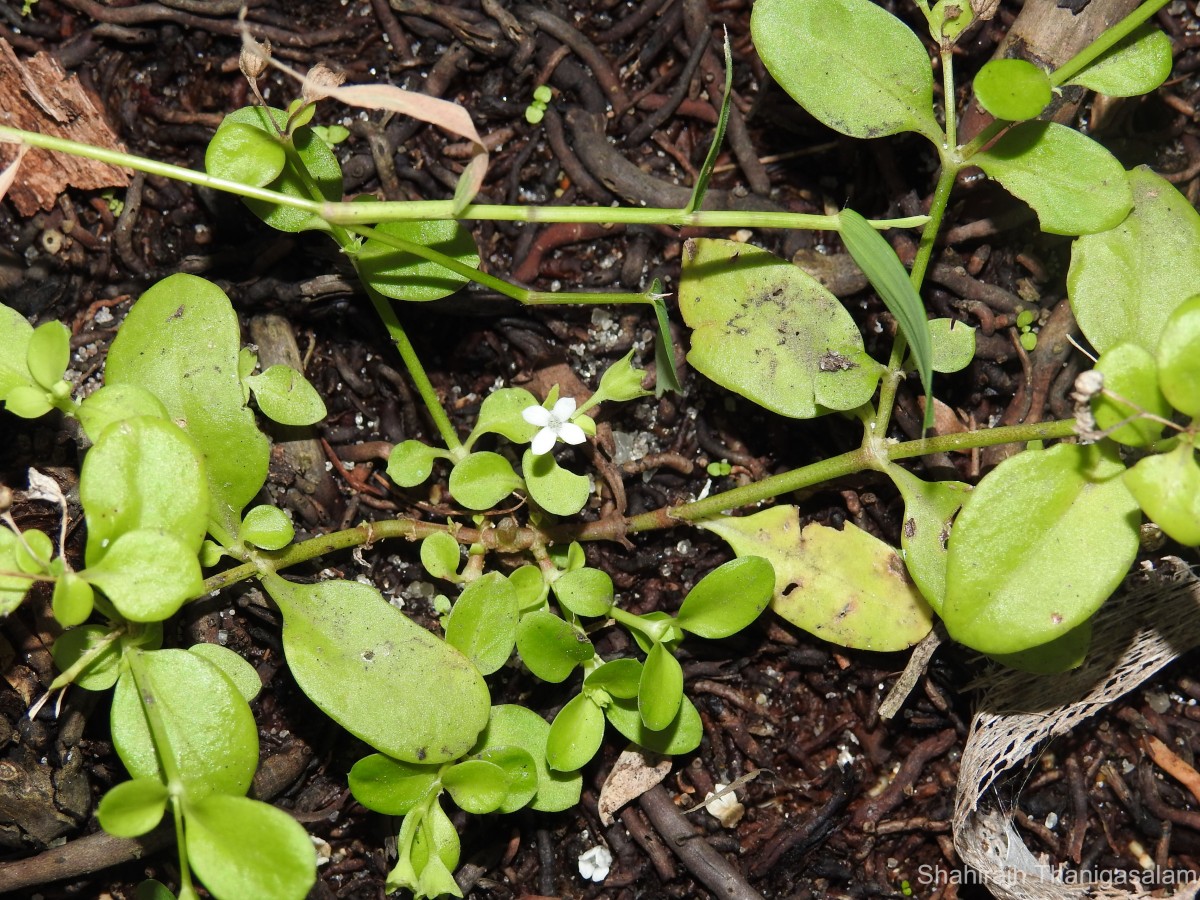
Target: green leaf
column 1125, row 282
column 152, row 890
column 476, row 785
column 728, row 598
column 1137, row 65
column 143, row 473
column 114, row 403
column 286, row 396
column 440, row 556
column 522, row 773
column 531, row 588
column 101, row 673
column 482, row 479
column 661, row 688
column 1131, row 373
column 267, row 527
column 575, row 735
column 550, row 647
column 313, row 153
column 929, row 509
column 405, row 276
column 411, row 463
column 245, row 153
column 209, row 729
column 132, row 808
column 13, row 587
column 1178, row 357
column 683, row 735
column 372, row 670
column 1073, row 184
column 243, row 848
column 72, row 601
column 483, row 622
column 1043, row 540
column 15, row 332
column 1013, row 89
column 714, row 149
column 556, row 490
column 428, row 849
column 845, row 586
column 28, row 401
column 49, row 353
column 147, row 574
column 617, row 678
column 180, row 341
column 33, row 552
column 853, row 65
column 390, row 786
column 516, row 726
column 236, row 669
column 500, row 413
column 585, row 592
column 953, row 344
column 1059, row 655
column 666, row 377
column 768, row 331
column 1167, row 488
column 663, row 630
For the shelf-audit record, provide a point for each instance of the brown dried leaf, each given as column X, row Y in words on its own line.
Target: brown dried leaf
column 446, row 115
column 984, row 9
column 634, row 773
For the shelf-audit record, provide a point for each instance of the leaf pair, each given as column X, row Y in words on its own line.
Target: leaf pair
column 32, row 364
column 182, row 727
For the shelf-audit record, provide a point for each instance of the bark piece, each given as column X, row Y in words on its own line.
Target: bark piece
column 37, row 95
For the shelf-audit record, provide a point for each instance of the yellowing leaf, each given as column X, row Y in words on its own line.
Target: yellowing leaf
column 845, row 586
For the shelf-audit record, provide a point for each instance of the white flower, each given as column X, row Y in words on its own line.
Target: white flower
column 555, row 424
column 595, row 863
column 727, row 808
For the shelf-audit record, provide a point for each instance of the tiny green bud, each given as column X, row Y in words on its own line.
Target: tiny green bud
column 621, row 381
column 543, row 94
column 1025, row 318
column 1029, row 341
column 534, row 114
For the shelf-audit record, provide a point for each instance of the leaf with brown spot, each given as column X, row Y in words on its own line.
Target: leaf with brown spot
column 844, row 586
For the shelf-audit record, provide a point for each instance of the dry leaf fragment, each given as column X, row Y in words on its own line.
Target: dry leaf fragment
column 634, row 773
column 37, row 95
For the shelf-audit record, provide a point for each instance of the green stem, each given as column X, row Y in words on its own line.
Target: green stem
column 72, row 672
column 1110, row 38
column 847, row 464
column 949, row 97
column 499, row 285
column 350, row 213
column 412, row 363
column 533, row 539
column 630, row 621
column 154, row 719
column 937, row 212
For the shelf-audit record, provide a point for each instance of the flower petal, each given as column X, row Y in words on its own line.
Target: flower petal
column 564, row 408
column 536, row 415
column 572, row 433
column 543, row 442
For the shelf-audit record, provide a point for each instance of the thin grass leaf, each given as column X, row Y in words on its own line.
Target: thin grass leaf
column 710, row 161
column 887, row 275
column 666, row 377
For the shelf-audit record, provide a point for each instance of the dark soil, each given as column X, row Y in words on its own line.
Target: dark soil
column 849, row 805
